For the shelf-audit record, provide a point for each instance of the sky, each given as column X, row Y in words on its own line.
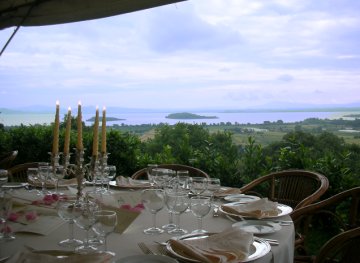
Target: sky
column 211, row 54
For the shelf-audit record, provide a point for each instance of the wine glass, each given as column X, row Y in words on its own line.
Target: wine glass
column 213, row 186
column 85, row 220
column 109, row 174
column 68, row 210
column 5, row 209
column 33, row 178
column 105, row 223
column 200, row 206
column 3, row 177
column 183, row 178
column 160, row 177
column 150, row 173
column 177, row 202
column 171, row 186
column 153, row 201
column 198, row 185
column 44, row 171
column 58, row 175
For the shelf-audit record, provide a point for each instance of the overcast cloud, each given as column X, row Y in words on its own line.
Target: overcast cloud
column 228, row 54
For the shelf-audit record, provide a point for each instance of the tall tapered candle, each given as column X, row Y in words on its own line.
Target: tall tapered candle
column 55, row 148
column 79, row 144
column 103, row 131
column 96, row 133
column 67, row 132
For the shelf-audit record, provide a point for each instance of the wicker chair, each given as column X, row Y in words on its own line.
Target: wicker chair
column 326, row 221
column 142, row 173
column 18, row 173
column 296, row 188
column 7, row 158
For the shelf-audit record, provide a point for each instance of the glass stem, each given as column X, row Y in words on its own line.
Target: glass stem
column 87, row 238
column 154, row 220
column 177, row 222
column 199, row 219
column 171, row 221
column 105, row 244
column 71, row 230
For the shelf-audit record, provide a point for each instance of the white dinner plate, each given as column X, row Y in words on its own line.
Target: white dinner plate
column 14, row 185
column 258, row 248
column 258, row 227
column 147, row 259
column 282, row 211
column 241, row 198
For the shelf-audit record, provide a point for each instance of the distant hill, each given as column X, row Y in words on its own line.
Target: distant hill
column 92, row 119
column 187, row 116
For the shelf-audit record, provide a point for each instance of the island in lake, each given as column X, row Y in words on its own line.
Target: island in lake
column 186, row 116
column 92, row 119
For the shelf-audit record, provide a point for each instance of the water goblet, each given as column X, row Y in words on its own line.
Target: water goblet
column 109, row 176
column 177, row 202
column 198, row 185
column 200, row 206
column 213, row 186
column 183, row 177
column 44, row 171
column 33, row 178
column 105, row 223
column 150, row 173
column 153, row 201
column 160, row 177
column 68, row 210
column 170, row 187
column 58, row 175
column 5, row 210
column 3, row 177
column 85, row 220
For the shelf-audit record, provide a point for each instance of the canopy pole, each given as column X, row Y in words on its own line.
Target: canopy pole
column 17, row 27
column 7, row 42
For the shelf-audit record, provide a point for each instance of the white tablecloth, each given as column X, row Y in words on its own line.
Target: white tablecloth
column 125, row 244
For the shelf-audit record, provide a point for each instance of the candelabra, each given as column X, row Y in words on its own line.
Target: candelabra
column 79, row 170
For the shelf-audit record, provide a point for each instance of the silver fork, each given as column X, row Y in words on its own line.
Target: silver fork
column 145, row 249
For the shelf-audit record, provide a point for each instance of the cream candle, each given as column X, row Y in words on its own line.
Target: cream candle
column 79, row 144
column 96, row 133
column 67, row 132
column 103, row 131
column 55, row 148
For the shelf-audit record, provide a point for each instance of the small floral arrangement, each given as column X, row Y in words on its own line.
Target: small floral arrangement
column 49, row 199
column 137, row 208
column 29, row 216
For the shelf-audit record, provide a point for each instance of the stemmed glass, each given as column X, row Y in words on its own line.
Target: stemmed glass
column 150, row 173
column 153, row 201
column 58, row 175
column 68, row 210
column 198, row 185
column 177, row 202
column 109, row 174
column 183, row 178
column 85, row 220
column 33, row 177
column 105, row 223
column 200, row 206
column 44, row 170
column 5, row 206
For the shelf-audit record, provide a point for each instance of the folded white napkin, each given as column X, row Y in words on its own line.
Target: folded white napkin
column 128, row 182
column 232, row 245
column 259, row 209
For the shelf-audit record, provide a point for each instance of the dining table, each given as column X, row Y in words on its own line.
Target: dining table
column 125, row 244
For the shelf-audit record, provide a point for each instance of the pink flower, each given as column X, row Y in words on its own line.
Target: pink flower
column 126, row 206
column 13, row 217
column 140, row 206
column 55, row 197
column 31, row 216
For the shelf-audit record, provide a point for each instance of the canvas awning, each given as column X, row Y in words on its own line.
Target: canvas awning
column 49, row 12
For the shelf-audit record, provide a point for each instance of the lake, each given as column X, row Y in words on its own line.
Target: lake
column 156, row 118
